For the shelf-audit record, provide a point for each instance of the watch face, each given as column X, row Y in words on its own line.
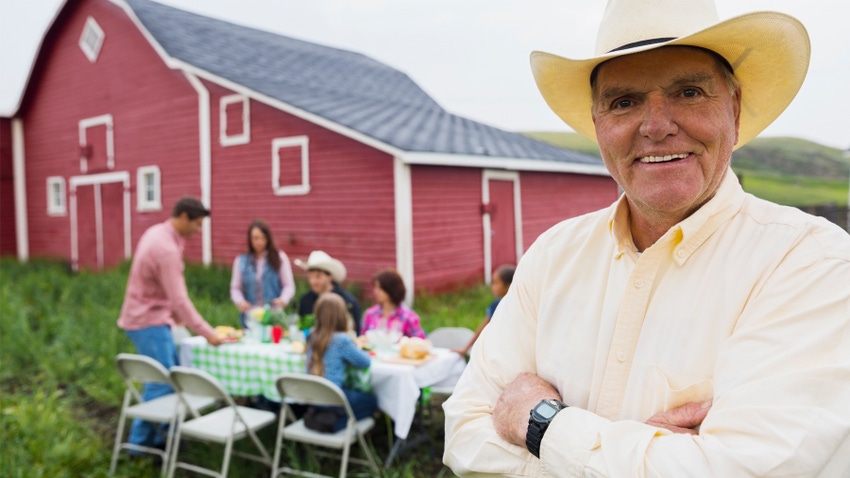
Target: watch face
column 546, row 411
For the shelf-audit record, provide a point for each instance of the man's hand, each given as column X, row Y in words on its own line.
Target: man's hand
column 510, row 415
column 681, row 419
column 278, row 303
column 244, row 306
column 214, row 339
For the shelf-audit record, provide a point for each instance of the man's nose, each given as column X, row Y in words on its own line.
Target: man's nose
column 658, row 121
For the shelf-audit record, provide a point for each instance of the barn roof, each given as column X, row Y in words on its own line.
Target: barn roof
column 344, row 87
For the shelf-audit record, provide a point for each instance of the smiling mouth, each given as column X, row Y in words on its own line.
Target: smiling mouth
column 662, row 159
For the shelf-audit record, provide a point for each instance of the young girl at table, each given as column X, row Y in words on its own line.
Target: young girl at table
column 331, row 349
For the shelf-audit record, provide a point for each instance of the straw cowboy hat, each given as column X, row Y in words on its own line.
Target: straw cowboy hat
column 320, row 260
column 768, row 52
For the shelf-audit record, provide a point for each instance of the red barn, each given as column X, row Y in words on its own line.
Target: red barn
column 131, row 105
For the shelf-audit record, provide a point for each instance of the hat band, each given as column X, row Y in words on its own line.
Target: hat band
column 642, row 43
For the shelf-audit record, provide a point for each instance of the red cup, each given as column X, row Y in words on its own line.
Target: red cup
column 277, row 333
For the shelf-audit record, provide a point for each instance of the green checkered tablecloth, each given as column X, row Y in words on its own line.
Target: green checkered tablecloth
column 247, row 369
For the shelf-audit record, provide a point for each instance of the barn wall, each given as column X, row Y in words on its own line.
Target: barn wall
column 448, row 243
column 8, row 241
column 548, row 198
column 348, row 213
column 154, row 111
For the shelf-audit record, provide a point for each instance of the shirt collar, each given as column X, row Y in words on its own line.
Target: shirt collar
column 686, row 236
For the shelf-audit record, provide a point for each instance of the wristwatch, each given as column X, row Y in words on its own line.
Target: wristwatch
column 541, row 415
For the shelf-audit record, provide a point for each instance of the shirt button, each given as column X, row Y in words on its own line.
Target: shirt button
column 621, row 356
column 638, row 283
column 681, row 253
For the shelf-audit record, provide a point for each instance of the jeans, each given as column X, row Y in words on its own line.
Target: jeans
column 155, row 342
column 363, row 404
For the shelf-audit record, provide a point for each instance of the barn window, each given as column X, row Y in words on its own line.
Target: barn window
column 148, row 189
column 92, row 39
column 235, row 120
column 56, row 196
column 291, row 166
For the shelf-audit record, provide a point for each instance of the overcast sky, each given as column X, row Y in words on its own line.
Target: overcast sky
column 471, row 56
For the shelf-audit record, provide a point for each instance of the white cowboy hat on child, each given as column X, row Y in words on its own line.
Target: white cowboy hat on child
column 768, row 51
column 320, row 260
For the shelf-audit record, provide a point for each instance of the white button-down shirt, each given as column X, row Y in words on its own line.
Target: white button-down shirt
column 745, row 303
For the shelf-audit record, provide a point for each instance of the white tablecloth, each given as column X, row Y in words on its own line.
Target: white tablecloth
column 256, row 367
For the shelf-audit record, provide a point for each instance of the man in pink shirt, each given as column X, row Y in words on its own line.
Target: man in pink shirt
column 156, row 299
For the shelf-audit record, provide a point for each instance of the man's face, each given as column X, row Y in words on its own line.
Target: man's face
column 666, row 123
column 188, row 227
column 320, row 281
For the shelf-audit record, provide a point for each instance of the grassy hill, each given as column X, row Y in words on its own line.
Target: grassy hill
column 790, row 171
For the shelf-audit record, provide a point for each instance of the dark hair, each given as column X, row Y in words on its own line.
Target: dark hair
column 391, row 282
column 273, row 256
column 330, row 316
column 506, row 273
column 193, row 208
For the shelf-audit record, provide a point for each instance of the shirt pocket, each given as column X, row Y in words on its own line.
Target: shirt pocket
column 668, row 390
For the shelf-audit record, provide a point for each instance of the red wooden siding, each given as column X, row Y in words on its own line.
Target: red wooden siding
column 154, row 111
column 549, row 198
column 448, row 240
column 8, row 239
column 348, row 212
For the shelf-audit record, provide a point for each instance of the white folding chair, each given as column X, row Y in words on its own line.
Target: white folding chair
column 315, row 390
column 141, row 369
column 448, row 338
column 223, row 426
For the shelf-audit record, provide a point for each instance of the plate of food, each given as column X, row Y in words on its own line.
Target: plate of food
column 228, row 334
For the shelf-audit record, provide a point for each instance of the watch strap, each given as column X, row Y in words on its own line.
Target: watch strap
column 536, row 429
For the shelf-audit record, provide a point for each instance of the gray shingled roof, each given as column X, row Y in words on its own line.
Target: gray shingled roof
column 347, row 88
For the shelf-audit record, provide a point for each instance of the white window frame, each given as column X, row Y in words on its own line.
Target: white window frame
column 57, row 205
column 302, row 142
column 245, row 136
column 87, row 123
column 92, row 51
column 142, row 202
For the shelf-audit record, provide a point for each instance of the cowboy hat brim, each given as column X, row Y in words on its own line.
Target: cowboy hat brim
column 769, row 53
column 332, row 266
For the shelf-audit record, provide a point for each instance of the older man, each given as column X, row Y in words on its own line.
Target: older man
column 690, row 329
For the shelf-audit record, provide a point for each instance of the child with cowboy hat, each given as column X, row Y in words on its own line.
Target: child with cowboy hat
column 689, row 329
column 325, row 274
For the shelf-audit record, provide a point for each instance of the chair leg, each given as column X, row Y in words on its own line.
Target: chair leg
column 346, row 450
column 175, row 449
column 278, row 442
column 228, row 449
column 116, row 450
column 366, row 451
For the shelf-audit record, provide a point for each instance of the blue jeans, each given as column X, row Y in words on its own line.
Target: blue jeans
column 157, row 343
column 363, row 405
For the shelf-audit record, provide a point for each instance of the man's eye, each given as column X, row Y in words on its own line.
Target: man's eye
column 622, row 103
column 690, row 92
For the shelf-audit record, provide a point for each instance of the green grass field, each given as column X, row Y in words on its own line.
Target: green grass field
column 60, row 393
